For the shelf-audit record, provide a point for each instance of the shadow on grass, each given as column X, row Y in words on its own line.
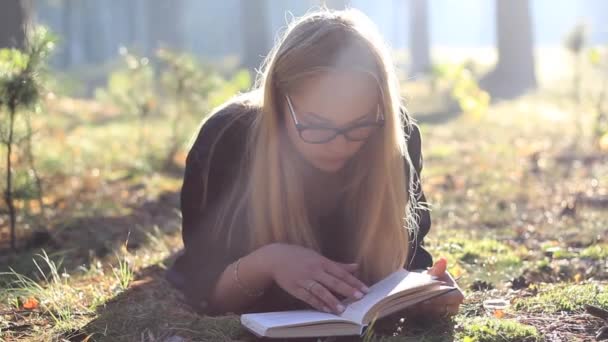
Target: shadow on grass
column 152, row 310
column 78, row 241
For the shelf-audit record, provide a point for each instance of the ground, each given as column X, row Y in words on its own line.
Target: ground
column 518, row 208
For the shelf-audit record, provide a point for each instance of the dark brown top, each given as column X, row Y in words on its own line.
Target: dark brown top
column 202, row 261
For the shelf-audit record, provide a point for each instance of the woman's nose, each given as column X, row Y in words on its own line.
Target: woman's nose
column 340, row 144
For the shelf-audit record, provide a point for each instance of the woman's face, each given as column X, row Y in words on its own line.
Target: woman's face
column 336, row 99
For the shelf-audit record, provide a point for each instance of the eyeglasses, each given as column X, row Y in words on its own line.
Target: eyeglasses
column 319, row 134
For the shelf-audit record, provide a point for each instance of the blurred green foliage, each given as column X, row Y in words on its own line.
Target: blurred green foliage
column 598, row 57
column 131, row 87
column 21, row 86
column 463, row 88
column 21, row 71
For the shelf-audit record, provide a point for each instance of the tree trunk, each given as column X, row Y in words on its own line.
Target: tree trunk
column 256, row 33
column 514, row 73
column 12, row 24
column 163, row 25
column 67, row 15
column 8, row 192
column 420, row 51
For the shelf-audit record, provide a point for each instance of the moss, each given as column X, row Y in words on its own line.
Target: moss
column 597, row 252
column 481, row 252
column 564, row 297
column 482, row 329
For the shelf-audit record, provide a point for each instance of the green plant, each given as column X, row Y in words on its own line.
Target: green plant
column 575, row 42
column 55, row 296
column 133, row 89
column 487, row 329
column 564, row 298
column 124, row 272
column 192, row 88
column 20, row 87
column 599, row 60
column 463, row 87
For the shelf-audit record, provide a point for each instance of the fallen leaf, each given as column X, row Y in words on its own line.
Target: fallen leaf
column 498, row 313
column 30, row 304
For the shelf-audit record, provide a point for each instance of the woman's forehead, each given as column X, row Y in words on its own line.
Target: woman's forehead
column 338, row 96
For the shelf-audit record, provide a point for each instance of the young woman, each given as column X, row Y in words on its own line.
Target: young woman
column 306, row 190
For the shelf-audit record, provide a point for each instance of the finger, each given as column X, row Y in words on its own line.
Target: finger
column 452, row 297
column 439, row 267
column 327, row 298
column 338, row 285
column 453, row 309
column 427, row 310
column 438, row 308
column 349, row 267
column 340, row 273
column 434, row 310
column 309, row 298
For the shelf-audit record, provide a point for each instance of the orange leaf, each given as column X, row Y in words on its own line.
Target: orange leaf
column 499, row 313
column 30, row 304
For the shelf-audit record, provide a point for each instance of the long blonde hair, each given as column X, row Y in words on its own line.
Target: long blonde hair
column 379, row 200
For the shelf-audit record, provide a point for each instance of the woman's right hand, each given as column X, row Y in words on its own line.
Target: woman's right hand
column 311, row 277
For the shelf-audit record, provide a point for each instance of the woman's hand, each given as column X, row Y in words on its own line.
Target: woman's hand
column 447, row 304
column 311, row 277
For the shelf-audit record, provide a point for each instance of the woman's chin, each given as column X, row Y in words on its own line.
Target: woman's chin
column 329, row 166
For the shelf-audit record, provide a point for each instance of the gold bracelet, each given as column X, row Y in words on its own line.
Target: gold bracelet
column 238, row 282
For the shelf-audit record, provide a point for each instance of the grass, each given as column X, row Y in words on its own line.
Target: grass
column 569, row 298
column 468, row 255
column 53, row 298
column 487, row 329
column 494, row 218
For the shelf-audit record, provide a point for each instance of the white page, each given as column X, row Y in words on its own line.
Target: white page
column 268, row 320
column 399, row 281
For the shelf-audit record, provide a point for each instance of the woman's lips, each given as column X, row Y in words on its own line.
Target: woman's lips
column 333, row 160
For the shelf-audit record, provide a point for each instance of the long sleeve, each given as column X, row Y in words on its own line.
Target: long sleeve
column 203, row 259
column 419, row 257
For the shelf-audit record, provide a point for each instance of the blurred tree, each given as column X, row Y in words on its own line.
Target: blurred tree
column 255, row 33
column 12, row 24
column 420, row 52
column 164, row 24
column 514, row 73
column 20, row 88
column 335, row 4
column 575, row 42
column 94, row 35
column 67, row 17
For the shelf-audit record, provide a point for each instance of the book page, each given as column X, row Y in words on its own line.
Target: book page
column 400, row 303
column 263, row 321
column 400, row 282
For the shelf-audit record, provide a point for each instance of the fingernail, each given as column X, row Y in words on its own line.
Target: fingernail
column 340, row 307
column 358, row 294
column 365, row 289
column 326, row 309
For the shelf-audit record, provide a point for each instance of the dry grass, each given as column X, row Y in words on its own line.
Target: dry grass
column 499, row 186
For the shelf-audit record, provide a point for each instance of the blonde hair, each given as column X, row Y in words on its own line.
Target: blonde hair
column 379, row 199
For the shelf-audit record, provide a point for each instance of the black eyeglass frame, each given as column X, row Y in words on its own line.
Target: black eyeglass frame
column 337, row 131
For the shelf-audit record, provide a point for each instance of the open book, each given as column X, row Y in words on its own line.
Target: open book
column 395, row 292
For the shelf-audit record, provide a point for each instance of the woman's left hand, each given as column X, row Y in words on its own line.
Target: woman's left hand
column 445, row 305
